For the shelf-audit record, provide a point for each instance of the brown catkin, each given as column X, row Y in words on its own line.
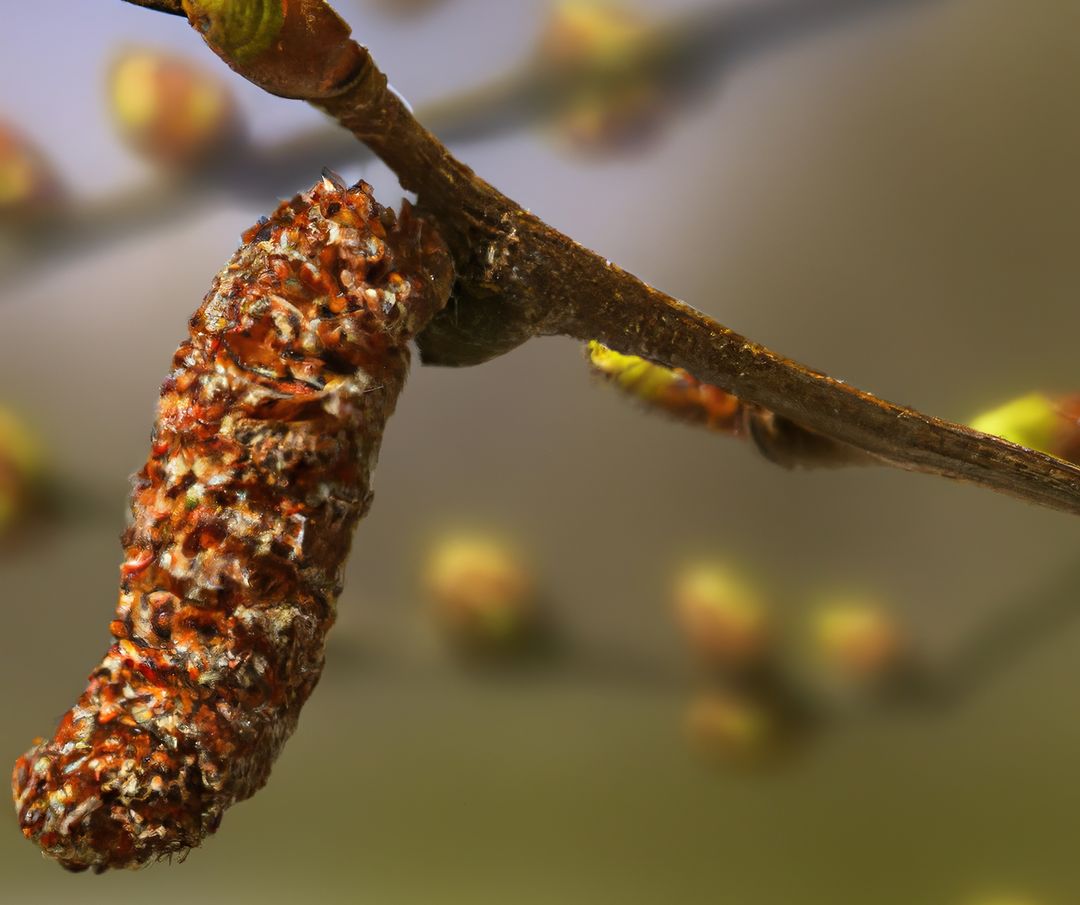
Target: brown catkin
column 267, row 432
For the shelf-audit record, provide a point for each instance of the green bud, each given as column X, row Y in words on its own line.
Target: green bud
column 1032, row 421
column 239, row 30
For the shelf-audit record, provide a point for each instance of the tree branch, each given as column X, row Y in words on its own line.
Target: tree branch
column 172, row 7
column 681, row 56
column 519, row 278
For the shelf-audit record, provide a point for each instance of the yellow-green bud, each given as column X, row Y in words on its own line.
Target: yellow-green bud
column 239, row 30
column 859, row 639
column 723, row 617
column 1033, row 421
column 20, row 469
column 169, row 110
column 482, row 591
column 28, row 184
column 613, row 102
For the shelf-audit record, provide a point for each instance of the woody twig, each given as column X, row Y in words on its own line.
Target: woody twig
column 519, row 278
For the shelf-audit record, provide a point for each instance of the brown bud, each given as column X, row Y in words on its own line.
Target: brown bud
column 168, row 110
column 299, row 49
column 29, row 187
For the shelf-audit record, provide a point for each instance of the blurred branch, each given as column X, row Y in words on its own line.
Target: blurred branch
column 1038, row 617
column 680, row 57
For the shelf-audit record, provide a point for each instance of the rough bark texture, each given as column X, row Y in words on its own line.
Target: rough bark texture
column 518, row 278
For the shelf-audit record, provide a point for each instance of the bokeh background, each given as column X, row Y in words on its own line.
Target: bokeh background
column 892, row 200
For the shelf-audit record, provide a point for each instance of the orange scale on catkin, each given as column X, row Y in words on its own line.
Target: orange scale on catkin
column 213, row 741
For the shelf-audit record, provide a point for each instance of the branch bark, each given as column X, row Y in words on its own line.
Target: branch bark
column 682, row 56
column 172, row 7
column 519, row 278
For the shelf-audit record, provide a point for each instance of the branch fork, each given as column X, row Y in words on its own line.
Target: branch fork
column 519, row 278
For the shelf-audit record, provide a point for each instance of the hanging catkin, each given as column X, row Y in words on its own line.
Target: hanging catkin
column 267, row 433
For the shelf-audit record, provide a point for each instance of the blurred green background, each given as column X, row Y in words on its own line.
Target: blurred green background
column 894, row 202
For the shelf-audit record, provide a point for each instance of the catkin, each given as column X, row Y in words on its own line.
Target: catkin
column 267, row 433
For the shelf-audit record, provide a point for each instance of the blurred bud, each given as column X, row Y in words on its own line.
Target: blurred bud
column 730, row 727
column 591, row 32
column 28, row 184
column 613, row 101
column 671, row 390
column 723, row 618
column 860, row 641
column 483, row 594
column 21, row 471
column 743, row 729
column 169, row 111
column 1050, row 425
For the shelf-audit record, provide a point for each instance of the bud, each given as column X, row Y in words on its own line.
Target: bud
column 28, row 184
column 740, row 728
column 243, row 29
column 592, row 32
column 723, row 618
column 671, row 390
column 614, row 99
column 169, row 111
column 20, row 471
column 291, row 48
column 483, row 594
column 1048, row 424
column 860, row 640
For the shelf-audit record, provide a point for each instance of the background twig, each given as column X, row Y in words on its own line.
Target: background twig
column 683, row 56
